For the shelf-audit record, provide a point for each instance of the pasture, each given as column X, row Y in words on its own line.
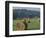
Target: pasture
column 33, row 25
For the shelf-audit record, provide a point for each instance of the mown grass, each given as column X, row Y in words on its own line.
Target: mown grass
column 33, row 25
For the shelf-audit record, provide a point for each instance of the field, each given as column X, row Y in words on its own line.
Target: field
column 33, row 25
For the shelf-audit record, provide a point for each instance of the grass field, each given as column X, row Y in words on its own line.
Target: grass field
column 33, row 25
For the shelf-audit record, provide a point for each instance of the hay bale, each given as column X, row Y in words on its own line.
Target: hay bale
column 20, row 26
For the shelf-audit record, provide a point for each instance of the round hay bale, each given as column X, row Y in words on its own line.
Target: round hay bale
column 20, row 26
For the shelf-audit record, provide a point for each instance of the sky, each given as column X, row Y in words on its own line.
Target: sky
column 29, row 8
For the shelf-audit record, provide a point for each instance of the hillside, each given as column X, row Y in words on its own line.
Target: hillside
column 25, row 13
